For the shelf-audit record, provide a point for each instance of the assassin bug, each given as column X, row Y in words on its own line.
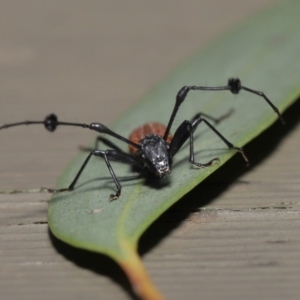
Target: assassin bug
column 152, row 147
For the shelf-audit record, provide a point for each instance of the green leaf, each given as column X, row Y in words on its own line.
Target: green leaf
column 264, row 54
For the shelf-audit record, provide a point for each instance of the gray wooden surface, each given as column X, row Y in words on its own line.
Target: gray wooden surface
column 89, row 61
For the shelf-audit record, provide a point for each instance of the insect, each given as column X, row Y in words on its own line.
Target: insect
column 152, row 147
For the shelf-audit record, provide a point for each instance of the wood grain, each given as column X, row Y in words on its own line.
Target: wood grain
column 89, row 62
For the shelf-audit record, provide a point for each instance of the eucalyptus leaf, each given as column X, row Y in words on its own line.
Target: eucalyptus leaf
column 263, row 53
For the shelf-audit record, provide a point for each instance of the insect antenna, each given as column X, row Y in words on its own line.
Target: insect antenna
column 51, row 122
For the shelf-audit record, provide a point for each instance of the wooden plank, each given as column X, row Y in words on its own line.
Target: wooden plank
column 88, row 63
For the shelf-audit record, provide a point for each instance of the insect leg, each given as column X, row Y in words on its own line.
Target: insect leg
column 228, row 144
column 107, row 155
column 192, row 154
column 234, row 85
column 183, row 132
column 186, row 130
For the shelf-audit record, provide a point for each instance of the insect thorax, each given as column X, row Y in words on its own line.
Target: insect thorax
column 149, row 128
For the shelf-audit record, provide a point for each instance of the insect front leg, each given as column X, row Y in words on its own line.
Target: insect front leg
column 107, row 155
column 182, row 133
column 228, row 144
column 185, row 131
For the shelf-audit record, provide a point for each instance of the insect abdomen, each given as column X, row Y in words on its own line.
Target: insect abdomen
column 140, row 132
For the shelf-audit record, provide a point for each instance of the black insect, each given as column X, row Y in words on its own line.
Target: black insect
column 151, row 146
